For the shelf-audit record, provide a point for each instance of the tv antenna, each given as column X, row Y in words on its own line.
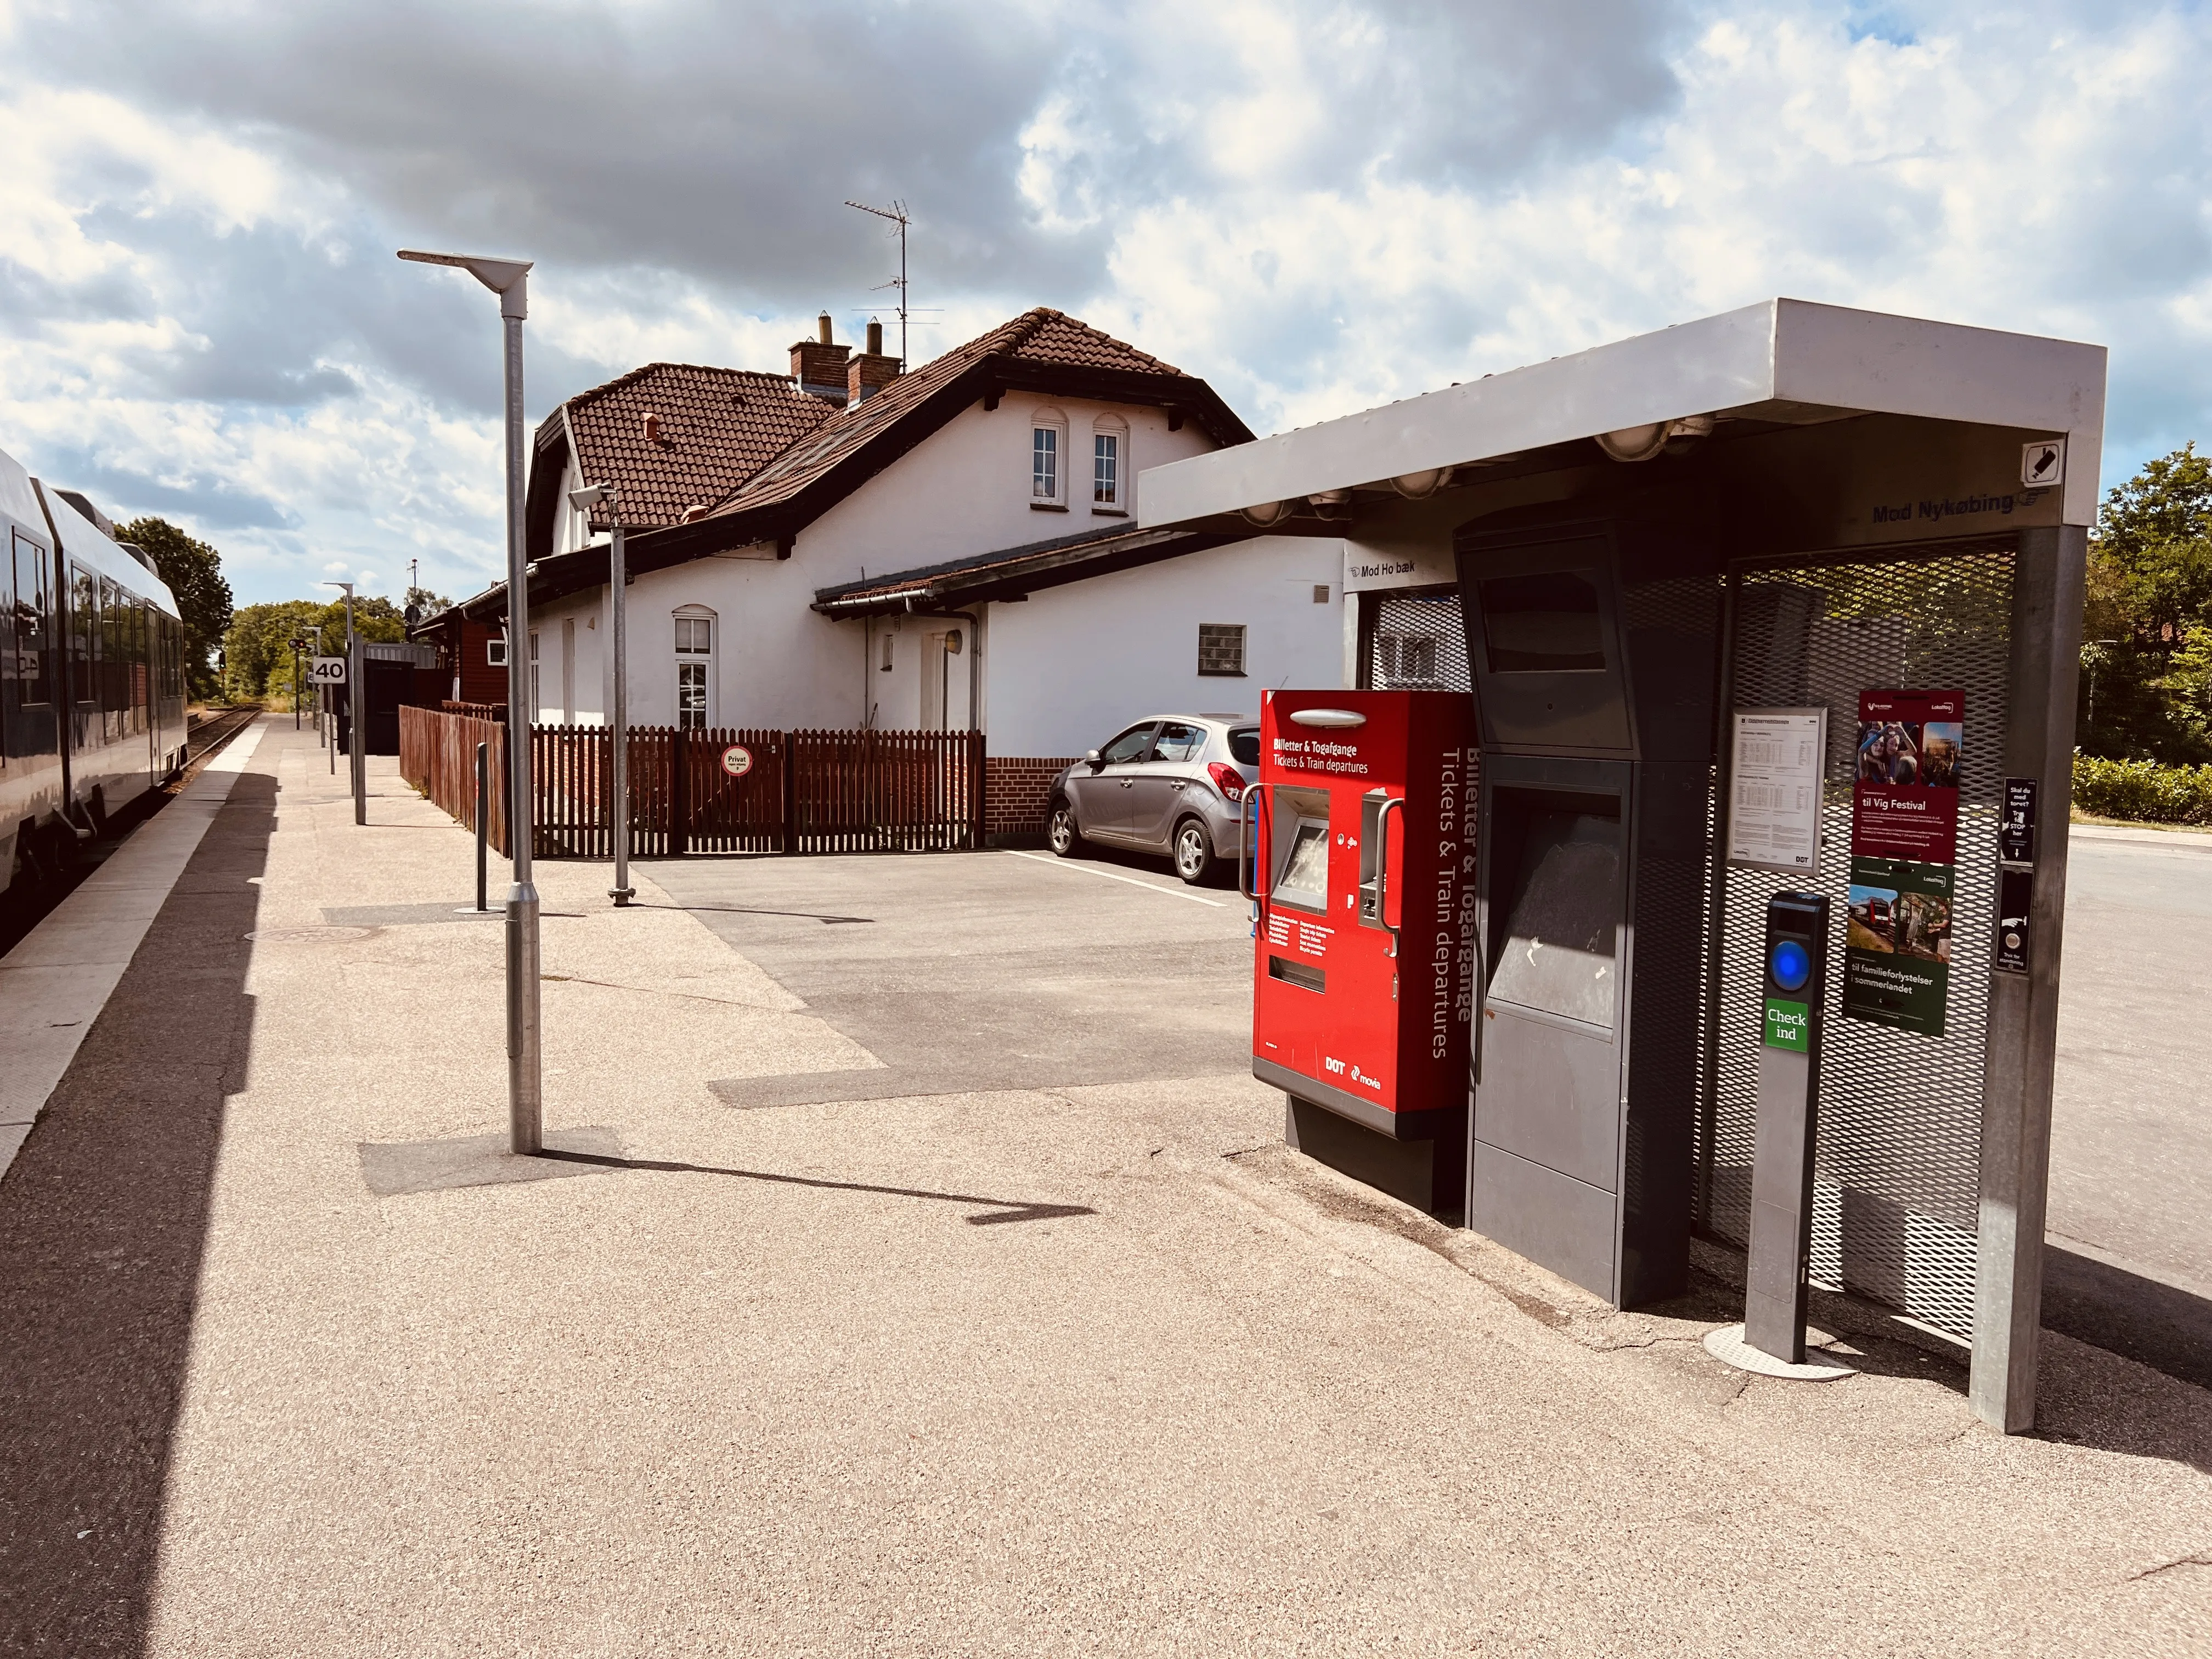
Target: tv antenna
column 897, row 215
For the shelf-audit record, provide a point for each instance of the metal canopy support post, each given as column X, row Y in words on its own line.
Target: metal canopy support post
column 2023, row 1029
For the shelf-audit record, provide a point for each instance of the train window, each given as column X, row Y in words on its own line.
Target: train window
column 84, row 635
column 31, row 665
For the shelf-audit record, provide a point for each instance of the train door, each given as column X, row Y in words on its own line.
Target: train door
column 81, row 659
column 114, row 665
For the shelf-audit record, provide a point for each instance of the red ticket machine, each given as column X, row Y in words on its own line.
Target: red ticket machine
column 1362, row 874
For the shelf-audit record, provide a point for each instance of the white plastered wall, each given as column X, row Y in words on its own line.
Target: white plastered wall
column 965, row 489
column 1070, row 666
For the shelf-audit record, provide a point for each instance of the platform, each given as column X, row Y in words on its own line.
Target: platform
column 919, row 1274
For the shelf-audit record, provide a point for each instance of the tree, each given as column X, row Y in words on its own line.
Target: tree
column 2149, row 591
column 260, row 637
column 194, row 571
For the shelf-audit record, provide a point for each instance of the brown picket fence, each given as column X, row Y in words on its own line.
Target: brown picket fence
column 438, row 755
column 731, row 790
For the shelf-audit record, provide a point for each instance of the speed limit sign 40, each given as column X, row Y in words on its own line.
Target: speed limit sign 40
column 736, row 760
column 328, row 670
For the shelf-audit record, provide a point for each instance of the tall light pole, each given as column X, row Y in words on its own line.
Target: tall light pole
column 356, row 708
column 584, row 501
column 526, row 1094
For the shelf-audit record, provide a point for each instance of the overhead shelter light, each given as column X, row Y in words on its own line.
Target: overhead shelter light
column 1641, row 443
column 1419, row 486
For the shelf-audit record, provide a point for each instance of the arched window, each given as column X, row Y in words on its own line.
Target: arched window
column 1049, row 460
column 1110, row 464
column 695, row 668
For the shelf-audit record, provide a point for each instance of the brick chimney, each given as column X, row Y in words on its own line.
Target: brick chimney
column 819, row 366
column 871, row 371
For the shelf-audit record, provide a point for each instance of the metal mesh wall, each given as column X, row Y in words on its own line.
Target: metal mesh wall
column 1897, row 1168
column 1417, row 644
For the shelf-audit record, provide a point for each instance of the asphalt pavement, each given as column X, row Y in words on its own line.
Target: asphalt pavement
column 2129, row 1260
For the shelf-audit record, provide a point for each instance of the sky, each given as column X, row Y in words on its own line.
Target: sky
column 1317, row 206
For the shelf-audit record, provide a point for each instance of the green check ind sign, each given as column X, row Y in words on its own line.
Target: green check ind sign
column 1788, row 1025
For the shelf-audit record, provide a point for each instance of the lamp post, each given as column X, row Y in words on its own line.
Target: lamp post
column 357, row 741
column 584, row 501
column 525, row 1100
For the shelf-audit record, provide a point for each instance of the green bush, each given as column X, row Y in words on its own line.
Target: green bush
column 2142, row 790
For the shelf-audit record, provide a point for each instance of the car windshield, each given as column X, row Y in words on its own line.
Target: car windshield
column 1244, row 744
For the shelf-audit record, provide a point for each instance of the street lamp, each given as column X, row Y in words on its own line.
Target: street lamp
column 584, row 501
column 525, row 1097
column 356, row 710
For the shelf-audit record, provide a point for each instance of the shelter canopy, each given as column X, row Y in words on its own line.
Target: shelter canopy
column 1779, row 364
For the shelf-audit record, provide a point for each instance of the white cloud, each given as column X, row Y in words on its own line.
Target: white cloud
column 1320, row 204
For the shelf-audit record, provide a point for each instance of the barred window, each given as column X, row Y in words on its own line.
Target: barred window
column 1221, row 649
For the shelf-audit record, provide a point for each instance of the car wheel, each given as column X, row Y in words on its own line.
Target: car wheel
column 1060, row 831
column 1193, row 853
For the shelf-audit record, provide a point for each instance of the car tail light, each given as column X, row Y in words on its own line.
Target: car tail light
column 1227, row 778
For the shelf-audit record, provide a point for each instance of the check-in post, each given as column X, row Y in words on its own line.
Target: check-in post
column 1789, row 1124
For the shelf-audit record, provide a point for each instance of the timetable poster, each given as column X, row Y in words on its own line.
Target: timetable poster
column 1904, row 840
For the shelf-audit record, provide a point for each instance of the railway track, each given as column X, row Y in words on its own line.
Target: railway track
column 210, row 734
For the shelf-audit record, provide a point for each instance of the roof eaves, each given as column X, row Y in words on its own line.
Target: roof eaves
column 1013, row 572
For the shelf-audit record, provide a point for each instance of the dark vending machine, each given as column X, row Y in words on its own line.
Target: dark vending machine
column 1365, row 930
column 1593, row 651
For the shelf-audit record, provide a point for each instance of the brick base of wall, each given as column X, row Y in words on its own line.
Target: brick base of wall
column 1015, row 795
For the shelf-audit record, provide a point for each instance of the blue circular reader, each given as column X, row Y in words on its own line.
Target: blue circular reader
column 1791, row 966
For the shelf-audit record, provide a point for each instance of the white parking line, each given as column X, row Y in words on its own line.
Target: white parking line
column 1089, row 870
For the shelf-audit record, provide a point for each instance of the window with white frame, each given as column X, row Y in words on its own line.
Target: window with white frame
column 534, row 704
column 1044, row 462
column 695, row 669
column 1109, row 441
column 1048, row 461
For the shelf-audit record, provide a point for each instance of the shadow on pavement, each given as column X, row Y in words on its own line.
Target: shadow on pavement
column 101, row 1229
column 2140, row 1319
column 1004, row 1209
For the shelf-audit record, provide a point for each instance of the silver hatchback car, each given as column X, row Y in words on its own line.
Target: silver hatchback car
column 1171, row 784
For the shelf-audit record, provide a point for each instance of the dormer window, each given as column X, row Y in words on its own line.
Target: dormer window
column 1047, row 465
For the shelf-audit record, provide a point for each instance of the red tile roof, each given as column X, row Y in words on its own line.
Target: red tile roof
column 1041, row 336
column 717, row 427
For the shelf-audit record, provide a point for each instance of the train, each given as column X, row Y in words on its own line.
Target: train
column 92, row 675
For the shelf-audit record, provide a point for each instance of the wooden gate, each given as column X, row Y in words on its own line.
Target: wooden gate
column 749, row 791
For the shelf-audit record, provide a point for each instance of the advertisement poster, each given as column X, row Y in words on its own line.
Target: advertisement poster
column 1904, row 839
